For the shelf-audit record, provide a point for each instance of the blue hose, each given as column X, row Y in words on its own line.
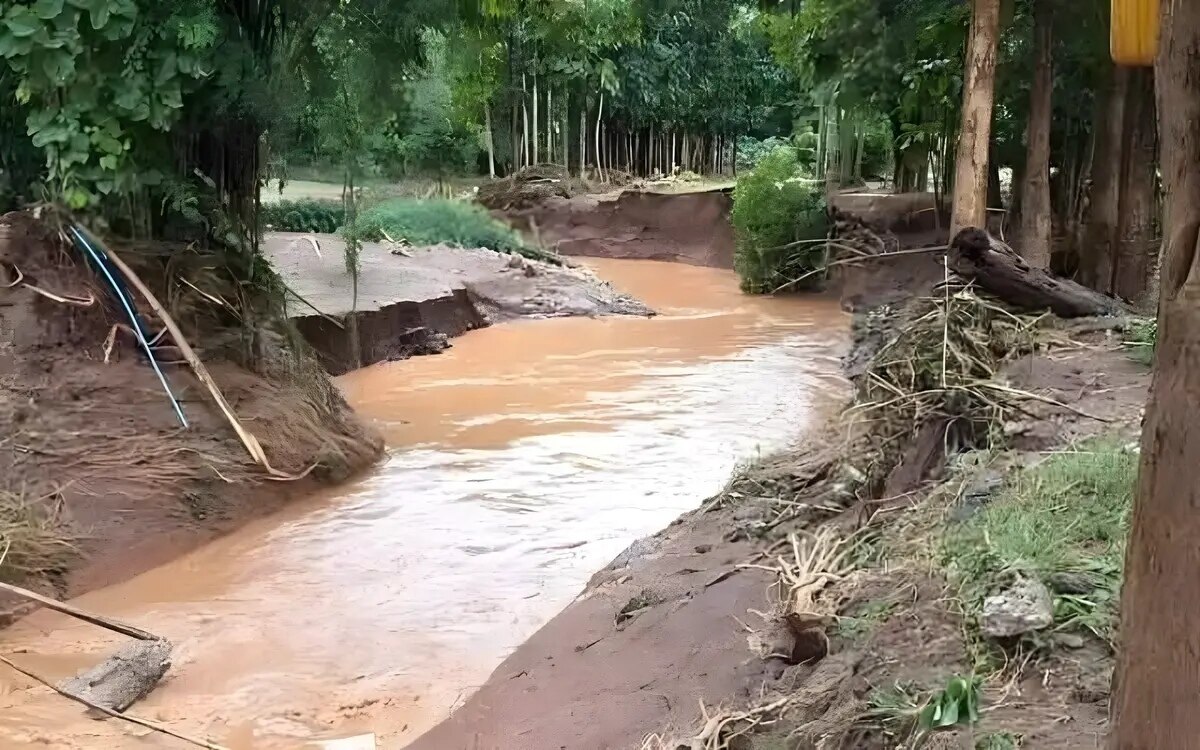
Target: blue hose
column 123, row 295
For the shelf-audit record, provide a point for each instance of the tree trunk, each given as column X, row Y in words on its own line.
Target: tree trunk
column 1158, row 672
column 971, row 163
column 1098, row 253
column 549, row 124
column 819, row 166
column 1137, row 252
column 599, row 115
column 1033, row 239
column 491, row 147
column 1000, row 271
column 534, row 141
column 524, row 124
column 583, row 129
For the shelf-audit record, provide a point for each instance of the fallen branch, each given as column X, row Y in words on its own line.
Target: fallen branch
column 858, row 259
column 146, row 723
column 104, row 622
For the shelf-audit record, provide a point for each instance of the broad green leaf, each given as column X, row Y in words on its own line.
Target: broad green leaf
column 47, row 9
column 21, row 22
column 54, row 133
column 949, row 714
column 58, row 65
column 77, row 198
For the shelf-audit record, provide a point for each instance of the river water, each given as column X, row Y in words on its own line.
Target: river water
column 520, row 462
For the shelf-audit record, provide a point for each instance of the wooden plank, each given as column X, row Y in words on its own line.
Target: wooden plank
column 104, row 622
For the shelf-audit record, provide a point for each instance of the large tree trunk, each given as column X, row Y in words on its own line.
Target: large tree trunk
column 1137, row 251
column 971, row 164
column 997, row 269
column 1035, row 232
column 1158, row 673
column 1097, row 256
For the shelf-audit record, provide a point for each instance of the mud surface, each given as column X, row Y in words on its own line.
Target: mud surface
column 441, row 290
column 524, row 459
column 94, row 448
column 689, row 228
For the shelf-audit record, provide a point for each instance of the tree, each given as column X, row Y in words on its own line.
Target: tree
column 971, row 163
column 1036, row 224
column 1158, row 674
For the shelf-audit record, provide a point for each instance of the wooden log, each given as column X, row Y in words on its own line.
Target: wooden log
column 976, row 256
column 67, row 609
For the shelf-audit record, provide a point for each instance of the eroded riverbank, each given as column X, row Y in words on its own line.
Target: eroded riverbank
column 521, row 461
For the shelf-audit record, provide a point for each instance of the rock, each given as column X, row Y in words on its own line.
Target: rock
column 1076, row 584
column 702, row 549
column 516, row 261
column 1024, row 607
column 123, row 678
column 1070, row 640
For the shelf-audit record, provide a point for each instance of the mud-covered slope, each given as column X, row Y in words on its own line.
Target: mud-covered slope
column 684, row 227
column 92, row 454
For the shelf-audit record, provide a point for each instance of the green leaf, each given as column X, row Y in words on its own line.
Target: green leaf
column 58, row 65
column 77, row 198
column 47, row 9
column 100, row 12
column 21, row 22
column 949, row 715
column 109, row 162
column 12, row 45
column 55, row 133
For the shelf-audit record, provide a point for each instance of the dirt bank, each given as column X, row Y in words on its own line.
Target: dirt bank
column 695, row 615
column 98, row 481
column 441, row 290
column 684, row 227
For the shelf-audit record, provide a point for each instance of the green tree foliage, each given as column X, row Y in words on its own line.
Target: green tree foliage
column 773, row 207
column 103, row 83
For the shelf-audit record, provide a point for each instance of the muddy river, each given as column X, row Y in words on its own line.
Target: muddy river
column 520, row 462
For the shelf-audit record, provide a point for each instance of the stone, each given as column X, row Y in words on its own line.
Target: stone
column 1076, row 584
column 125, row 677
column 1024, row 607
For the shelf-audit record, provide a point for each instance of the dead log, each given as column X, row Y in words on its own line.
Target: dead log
column 994, row 267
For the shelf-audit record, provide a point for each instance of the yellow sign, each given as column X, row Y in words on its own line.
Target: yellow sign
column 1134, row 36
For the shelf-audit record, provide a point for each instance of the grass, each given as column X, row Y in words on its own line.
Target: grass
column 436, row 221
column 998, row 741
column 868, row 617
column 901, row 710
column 1141, row 338
column 1066, row 515
column 32, row 538
column 306, row 215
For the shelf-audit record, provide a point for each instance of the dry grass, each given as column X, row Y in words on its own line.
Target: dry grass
column 33, row 538
column 937, row 367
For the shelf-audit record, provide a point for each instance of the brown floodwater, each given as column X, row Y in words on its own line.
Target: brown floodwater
column 520, row 462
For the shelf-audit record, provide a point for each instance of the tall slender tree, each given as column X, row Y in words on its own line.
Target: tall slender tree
column 1158, row 674
column 971, row 166
column 1036, row 229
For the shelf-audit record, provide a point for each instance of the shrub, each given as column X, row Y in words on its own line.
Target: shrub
column 773, row 207
column 304, row 216
column 433, row 221
column 752, row 150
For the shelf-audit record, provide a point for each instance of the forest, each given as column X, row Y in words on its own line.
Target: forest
column 157, row 114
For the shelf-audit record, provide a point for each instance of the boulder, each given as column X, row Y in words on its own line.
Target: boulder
column 1024, row 607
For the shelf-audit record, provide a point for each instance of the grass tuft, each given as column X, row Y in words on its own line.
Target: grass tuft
column 1065, row 515
column 32, row 538
column 1141, row 338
